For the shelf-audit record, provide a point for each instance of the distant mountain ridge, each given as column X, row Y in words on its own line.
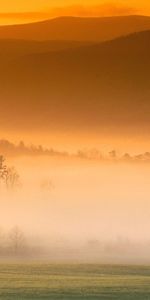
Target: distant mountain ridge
column 106, row 85
column 78, row 29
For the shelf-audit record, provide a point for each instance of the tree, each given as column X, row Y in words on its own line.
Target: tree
column 113, row 154
column 11, row 178
column 2, row 239
column 3, row 168
column 17, row 240
column 8, row 176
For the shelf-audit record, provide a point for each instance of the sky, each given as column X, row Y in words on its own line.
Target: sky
column 17, row 11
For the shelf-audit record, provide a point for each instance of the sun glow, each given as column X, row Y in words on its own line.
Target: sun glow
column 30, row 11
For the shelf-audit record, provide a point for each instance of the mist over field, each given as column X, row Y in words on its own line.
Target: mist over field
column 69, row 209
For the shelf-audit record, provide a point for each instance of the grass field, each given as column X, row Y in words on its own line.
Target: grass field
column 44, row 281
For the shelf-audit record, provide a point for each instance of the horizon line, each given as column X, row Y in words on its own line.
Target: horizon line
column 41, row 20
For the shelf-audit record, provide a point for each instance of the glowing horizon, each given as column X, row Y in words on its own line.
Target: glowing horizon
column 30, row 11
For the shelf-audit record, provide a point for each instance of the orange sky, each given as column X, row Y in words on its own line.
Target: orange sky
column 30, row 10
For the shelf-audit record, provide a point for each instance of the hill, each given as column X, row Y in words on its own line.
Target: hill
column 78, row 29
column 96, row 86
column 11, row 49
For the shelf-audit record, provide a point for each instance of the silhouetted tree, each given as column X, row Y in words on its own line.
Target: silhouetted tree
column 3, row 168
column 8, row 176
column 11, row 178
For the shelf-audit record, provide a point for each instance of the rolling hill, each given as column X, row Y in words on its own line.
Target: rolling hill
column 105, row 85
column 11, row 49
column 78, row 29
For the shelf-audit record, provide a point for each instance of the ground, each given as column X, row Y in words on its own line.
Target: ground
column 41, row 281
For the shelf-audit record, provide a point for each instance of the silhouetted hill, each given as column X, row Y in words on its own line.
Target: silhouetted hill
column 79, row 29
column 11, row 49
column 97, row 86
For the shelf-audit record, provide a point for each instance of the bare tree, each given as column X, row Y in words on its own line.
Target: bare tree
column 3, row 168
column 17, row 240
column 11, row 178
column 1, row 240
column 8, row 176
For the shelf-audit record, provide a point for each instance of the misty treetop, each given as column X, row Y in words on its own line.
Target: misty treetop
column 10, row 149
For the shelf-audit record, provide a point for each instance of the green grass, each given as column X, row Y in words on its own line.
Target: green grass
column 44, row 281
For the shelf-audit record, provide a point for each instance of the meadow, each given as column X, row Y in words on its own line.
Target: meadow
column 77, row 281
